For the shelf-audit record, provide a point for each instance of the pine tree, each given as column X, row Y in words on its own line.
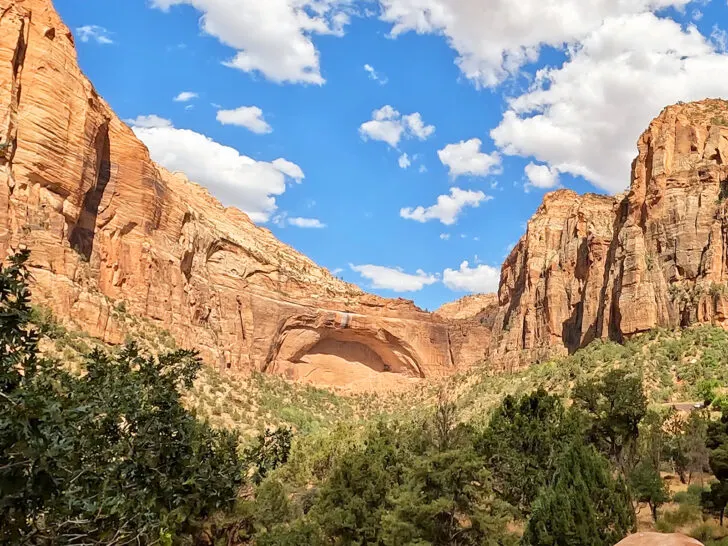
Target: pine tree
column 584, row 504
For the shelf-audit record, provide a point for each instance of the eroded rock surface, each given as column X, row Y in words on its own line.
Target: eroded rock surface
column 611, row 267
column 108, row 227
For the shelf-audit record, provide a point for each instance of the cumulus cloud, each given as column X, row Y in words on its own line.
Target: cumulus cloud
column 388, row 125
column 235, row 179
column 94, row 33
column 307, row 223
column 404, row 161
column 186, row 96
column 487, row 58
column 250, row 117
column 448, row 207
column 584, row 117
column 394, row 278
column 272, row 37
column 149, row 122
column 479, row 279
column 541, row 176
column 381, row 79
column 465, row 158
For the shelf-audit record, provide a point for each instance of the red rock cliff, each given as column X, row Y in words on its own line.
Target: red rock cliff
column 611, row 267
column 107, row 225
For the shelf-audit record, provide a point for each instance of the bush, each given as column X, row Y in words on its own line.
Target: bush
column 108, row 456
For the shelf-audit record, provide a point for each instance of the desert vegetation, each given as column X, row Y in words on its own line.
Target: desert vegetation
column 141, row 444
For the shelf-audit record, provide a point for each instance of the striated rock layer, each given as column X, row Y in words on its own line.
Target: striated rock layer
column 106, row 225
column 611, row 267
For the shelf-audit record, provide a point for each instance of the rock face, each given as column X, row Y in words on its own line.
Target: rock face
column 659, row 539
column 485, row 305
column 611, row 267
column 107, row 227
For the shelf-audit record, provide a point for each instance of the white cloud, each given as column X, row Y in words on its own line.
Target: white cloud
column 235, row 179
column 337, row 271
column 487, row 58
column 250, row 117
column 404, row 161
column 417, row 127
column 272, row 37
column 394, row 278
column 541, row 176
column 444, row 236
column 388, row 125
column 381, row 79
column 584, row 118
column 289, row 168
column 478, row 279
column 448, row 207
column 186, row 96
column 307, row 223
column 465, row 158
column 149, row 122
column 88, row 33
column 719, row 38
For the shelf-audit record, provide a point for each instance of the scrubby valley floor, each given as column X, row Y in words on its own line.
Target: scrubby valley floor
column 305, row 437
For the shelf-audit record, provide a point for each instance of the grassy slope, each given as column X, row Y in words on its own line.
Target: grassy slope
column 674, row 365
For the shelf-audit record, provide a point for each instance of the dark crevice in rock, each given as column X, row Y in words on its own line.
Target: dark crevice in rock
column 83, row 233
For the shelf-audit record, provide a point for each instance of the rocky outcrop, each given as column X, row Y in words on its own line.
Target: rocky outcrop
column 110, row 229
column 659, row 539
column 476, row 305
column 610, row 267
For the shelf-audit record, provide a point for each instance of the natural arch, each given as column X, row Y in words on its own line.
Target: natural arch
column 338, row 357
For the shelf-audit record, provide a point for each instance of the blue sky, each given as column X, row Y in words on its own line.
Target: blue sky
column 301, row 112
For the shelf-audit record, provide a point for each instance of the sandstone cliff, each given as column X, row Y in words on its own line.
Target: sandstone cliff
column 107, row 227
column 610, row 267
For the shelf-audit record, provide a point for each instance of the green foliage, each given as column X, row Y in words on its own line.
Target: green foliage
column 647, row 486
column 615, row 405
column 584, row 504
column 108, row 457
column 271, row 450
column 272, row 506
column 445, row 499
column 353, row 501
column 521, row 444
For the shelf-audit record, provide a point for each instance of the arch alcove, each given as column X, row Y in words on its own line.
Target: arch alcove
column 358, row 357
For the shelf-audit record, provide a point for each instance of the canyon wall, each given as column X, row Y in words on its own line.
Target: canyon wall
column 610, row 267
column 110, row 230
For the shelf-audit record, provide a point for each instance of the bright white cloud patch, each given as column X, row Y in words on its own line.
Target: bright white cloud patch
column 404, row 161
column 272, row 37
column 541, row 176
column 235, row 179
column 374, row 75
column 448, row 207
column 585, row 117
column 94, row 33
column 523, row 28
column 149, row 122
column 465, row 158
column 394, row 278
column 186, row 96
column 479, row 279
column 250, row 117
column 308, row 223
column 388, row 125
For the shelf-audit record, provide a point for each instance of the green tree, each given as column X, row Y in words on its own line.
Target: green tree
column 352, row 502
column 648, row 486
column 522, row 442
column 717, row 444
column 272, row 506
column 108, row 457
column 446, row 500
column 615, row 404
column 271, row 450
column 584, row 504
